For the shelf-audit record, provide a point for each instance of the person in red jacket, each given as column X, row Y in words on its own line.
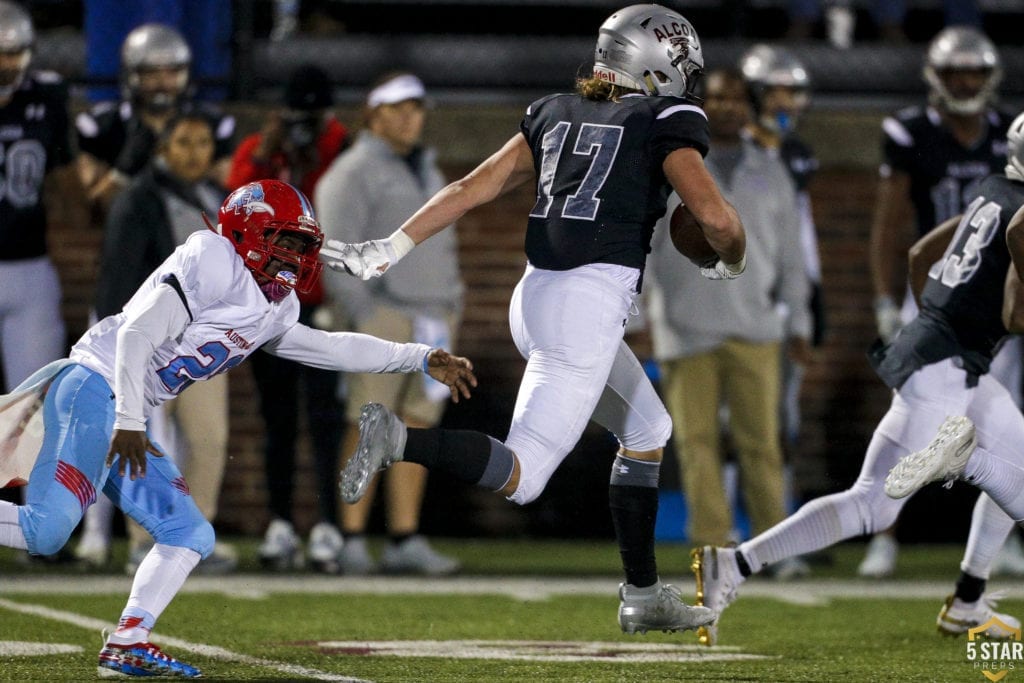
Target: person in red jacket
column 296, row 144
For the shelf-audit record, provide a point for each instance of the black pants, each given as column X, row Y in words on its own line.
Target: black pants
column 278, row 381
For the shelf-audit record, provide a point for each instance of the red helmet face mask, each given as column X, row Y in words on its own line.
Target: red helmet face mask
column 256, row 218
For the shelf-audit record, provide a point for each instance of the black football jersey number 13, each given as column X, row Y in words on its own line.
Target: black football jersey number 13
column 965, row 287
column 600, row 184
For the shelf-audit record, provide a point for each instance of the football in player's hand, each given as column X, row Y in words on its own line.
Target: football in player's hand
column 688, row 237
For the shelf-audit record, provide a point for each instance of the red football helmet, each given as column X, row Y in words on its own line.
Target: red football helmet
column 254, row 216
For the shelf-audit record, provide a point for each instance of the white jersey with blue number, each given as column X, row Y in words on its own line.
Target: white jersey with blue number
column 201, row 313
column 230, row 318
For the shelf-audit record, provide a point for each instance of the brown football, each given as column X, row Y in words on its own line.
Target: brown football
column 688, row 237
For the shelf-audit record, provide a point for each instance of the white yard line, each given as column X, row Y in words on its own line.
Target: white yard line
column 210, row 651
column 261, row 586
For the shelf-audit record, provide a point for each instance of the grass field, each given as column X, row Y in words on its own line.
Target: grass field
column 521, row 611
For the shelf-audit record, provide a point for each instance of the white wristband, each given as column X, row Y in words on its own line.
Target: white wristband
column 401, row 242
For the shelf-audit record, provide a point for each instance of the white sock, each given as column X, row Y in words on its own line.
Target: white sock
column 158, row 579
column 11, row 535
column 989, row 528
column 818, row 524
column 1000, row 478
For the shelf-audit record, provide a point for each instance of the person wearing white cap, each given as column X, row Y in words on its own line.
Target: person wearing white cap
column 378, row 183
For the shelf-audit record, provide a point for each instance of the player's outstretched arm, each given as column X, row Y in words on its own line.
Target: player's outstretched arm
column 455, row 372
column 504, row 170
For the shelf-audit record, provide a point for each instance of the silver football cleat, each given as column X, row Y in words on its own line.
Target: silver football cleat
column 381, row 442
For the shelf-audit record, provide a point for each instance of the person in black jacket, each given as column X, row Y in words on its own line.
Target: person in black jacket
column 157, row 212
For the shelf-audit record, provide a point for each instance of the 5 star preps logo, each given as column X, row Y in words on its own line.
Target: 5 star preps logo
column 995, row 658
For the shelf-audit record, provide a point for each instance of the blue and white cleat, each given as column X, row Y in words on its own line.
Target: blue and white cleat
column 944, row 459
column 381, row 443
column 141, row 659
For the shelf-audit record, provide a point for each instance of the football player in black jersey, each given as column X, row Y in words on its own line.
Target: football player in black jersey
column 603, row 161
column 963, row 276
column 779, row 87
column 117, row 139
column 933, row 157
column 34, row 146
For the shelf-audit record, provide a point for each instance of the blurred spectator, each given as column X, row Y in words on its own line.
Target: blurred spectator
column 841, row 20
column 932, row 157
column 205, row 24
column 296, row 145
column 117, row 139
column 378, row 184
column 721, row 342
column 157, row 211
column 34, row 148
column 888, row 16
column 779, row 87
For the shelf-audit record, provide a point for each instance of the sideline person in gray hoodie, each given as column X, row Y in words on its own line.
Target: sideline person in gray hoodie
column 373, row 186
column 719, row 342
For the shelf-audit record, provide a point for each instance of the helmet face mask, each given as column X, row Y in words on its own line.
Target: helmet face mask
column 17, row 37
column 155, row 62
column 779, row 86
column 272, row 227
column 651, row 49
column 962, row 70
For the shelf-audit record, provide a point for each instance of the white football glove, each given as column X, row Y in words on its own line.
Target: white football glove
column 887, row 318
column 366, row 260
column 725, row 271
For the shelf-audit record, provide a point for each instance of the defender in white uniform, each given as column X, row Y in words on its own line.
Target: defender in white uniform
column 214, row 301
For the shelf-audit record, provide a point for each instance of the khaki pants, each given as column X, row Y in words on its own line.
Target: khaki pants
column 403, row 393
column 195, row 429
column 745, row 376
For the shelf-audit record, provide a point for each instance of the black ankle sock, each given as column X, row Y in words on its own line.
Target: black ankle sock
column 462, row 454
column 744, row 566
column 634, row 511
column 969, row 588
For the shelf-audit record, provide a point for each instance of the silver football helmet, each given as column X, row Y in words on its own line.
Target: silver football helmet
column 16, row 39
column 1015, row 149
column 649, row 48
column 151, row 47
column 765, row 67
column 962, row 48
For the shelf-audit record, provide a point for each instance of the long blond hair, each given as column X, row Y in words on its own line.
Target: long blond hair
column 593, row 88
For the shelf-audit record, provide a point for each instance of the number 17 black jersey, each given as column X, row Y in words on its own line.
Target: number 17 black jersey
column 600, row 183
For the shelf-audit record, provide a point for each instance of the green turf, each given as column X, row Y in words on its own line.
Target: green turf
column 850, row 640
